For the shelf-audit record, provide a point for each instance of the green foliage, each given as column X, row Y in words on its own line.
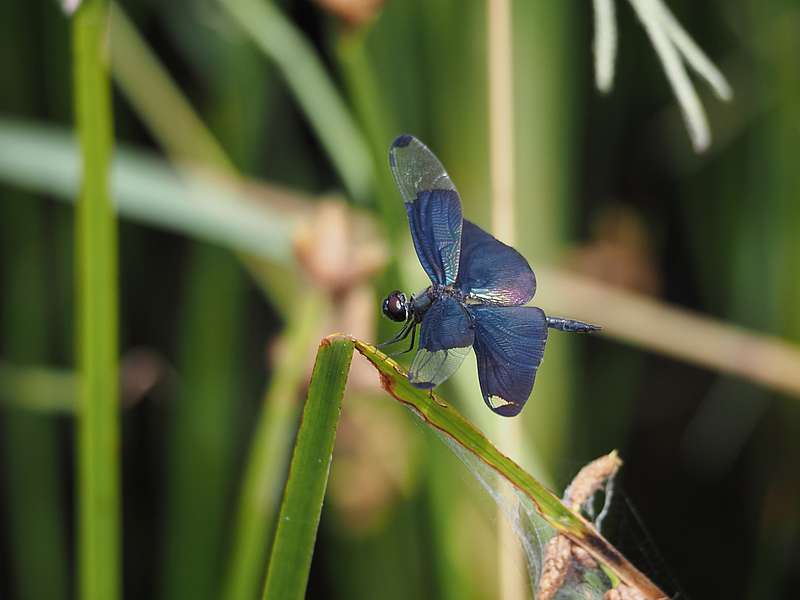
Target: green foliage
column 443, row 417
column 308, row 473
column 277, row 37
column 221, row 105
column 269, row 454
column 203, row 425
column 147, row 189
column 290, row 560
column 97, row 299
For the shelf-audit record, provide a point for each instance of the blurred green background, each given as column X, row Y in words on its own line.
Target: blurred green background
column 257, row 213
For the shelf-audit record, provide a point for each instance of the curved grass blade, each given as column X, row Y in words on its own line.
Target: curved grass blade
column 157, row 99
column 308, row 474
column 316, row 94
column 439, row 415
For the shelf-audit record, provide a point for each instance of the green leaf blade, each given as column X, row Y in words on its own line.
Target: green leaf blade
column 270, row 453
column 438, row 414
column 308, row 474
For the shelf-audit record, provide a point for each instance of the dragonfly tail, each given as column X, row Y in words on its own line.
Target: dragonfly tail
column 571, row 325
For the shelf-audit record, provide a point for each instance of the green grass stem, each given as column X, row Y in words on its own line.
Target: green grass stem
column 157, row 99
column 97, row 454
column 302, row 501
column 202, row 442
column 544, row 88
column 311, row 85
column 213, row 202
column 301, row 507
column 269, row 455
column 33, row 511
column 28, row 435
column 370, row 108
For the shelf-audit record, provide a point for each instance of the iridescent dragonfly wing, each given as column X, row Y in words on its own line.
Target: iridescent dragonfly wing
column 445, row 337
column 492, row 272
column 433, row 207
column 509, row 346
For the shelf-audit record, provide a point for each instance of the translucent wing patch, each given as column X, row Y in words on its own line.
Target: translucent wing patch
column 433, row 207
column 429, row 369
column 491, row 271
column 445, row 336
column 509, row 346
column 416, row 169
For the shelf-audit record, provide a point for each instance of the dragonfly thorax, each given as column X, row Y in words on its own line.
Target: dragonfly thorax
column 421, row 302
column 438, row 290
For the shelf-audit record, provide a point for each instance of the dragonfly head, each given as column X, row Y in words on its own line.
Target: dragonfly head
column 395, row 306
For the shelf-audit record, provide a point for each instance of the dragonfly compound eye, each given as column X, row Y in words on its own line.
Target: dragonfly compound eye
column 395, row 306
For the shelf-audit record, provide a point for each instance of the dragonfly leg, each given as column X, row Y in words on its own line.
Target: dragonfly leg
column 411, row 346
column 401, row 335
column 571, row 325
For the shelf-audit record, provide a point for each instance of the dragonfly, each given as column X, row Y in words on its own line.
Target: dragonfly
column 478, row 288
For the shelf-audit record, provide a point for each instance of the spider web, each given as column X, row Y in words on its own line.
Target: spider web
column 531, row 530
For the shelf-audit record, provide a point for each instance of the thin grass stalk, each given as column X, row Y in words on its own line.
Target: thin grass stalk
column 693, row 112
column 513, row 583
column 772, row 184
column 452, row 64
column 501, row 119
column 316, row 94
column 97, row 298
column 200, row 462
column 36, row 536
column 369, row 107
column 157, row 99
column 379, row 128
column 171, row 119
column 392, row 558
column 544, row 129
column 211, row 377
column 32, row 495
column 676, row 332
column 241, row 107
column 269, row 455
column 605, row 44
column 301, row 507
column 456, row 576
column 36, row 564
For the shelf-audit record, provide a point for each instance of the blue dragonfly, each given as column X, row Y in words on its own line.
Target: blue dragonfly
column 478, row 288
